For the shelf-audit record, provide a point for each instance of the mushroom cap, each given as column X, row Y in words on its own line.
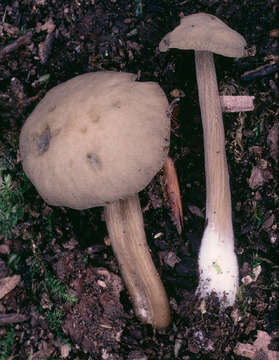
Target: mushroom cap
column 96, row 138
column 205, row 32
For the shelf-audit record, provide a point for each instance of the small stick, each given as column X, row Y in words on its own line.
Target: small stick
column 261, row 71
column 12, row 318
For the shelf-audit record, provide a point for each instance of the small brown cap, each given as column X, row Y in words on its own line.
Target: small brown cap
column 95, row 139
column 205, row 32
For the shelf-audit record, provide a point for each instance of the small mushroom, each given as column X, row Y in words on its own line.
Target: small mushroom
column 206, row 34
column 97, row 140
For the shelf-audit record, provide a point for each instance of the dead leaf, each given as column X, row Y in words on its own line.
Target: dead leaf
column 4, row 249
column 173, row 191
column 255, row 150
column 171, row 259
column 12, row 31
column 256, row 179
column 45, row 47
column 196, row 211
column 272, row 141
column 7, row 284
column 259, row 347
column 245, row 350
column 274, row 33
column 248, row 279
column 49, row 26
column 65, row 350
column 45, row 351
column 177, row 93
column 268, row 222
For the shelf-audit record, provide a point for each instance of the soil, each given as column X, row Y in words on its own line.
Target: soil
column 70, row 301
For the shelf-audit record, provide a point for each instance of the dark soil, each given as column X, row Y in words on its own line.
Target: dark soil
column 70, row 301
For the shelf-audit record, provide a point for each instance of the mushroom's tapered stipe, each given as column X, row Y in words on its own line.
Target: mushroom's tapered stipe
column 206, row 34
column 97, row 140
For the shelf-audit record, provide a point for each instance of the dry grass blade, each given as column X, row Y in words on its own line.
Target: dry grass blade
column 173, row 193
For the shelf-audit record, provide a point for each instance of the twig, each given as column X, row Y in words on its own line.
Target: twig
column 15, row 45
column 261, row 71
column 6, row 319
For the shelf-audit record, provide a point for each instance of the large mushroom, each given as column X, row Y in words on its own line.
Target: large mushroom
column 97, row 140
column 206, row 34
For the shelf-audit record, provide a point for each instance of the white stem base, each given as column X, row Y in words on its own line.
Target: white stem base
column 218, row 267
column 217, row 260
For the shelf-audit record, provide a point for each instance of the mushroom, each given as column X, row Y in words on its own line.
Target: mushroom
column 204, row 33
column 97, row 140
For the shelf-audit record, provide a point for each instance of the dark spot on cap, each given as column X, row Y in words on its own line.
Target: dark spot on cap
column 94, row 161
column 83, row 130
column 51, row 109
column 96, row 119
column 43, row 140
column 166, row 42
column 117, row 104
column 93, row 116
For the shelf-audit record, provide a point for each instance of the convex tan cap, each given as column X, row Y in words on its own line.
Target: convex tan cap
column 95, row 139
column 205, row 32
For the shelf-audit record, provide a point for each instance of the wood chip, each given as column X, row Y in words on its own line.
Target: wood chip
column 7, row 284
column 237, row 103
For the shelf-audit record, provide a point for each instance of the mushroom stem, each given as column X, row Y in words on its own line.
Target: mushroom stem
column 217, row 260
column 126, row 231
column 218, row 198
